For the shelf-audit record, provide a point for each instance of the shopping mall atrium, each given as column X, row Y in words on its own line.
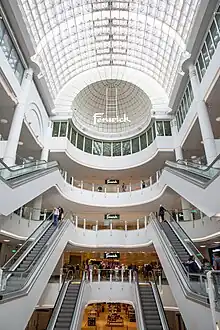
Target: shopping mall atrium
column 110, row 164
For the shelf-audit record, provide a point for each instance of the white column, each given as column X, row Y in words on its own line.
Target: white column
column 186, row 207
column 37, row 204
column 17, row 121
column 176, row 142
column 203, row 116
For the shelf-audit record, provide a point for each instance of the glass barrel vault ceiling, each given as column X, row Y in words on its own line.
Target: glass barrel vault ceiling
column 72, row 36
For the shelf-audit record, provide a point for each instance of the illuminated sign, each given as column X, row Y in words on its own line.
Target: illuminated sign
column 99, row 118
column 112, row 216
column 112, row 255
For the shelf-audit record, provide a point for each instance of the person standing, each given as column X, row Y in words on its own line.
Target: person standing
column 161, row 212
column 61, row 213
column 55, row 216
column 123, row 187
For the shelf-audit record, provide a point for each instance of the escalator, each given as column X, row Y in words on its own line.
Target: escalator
column 21, row 183
column 25, row 276
column 174, row 247
column 64, row 308
column 151, row 304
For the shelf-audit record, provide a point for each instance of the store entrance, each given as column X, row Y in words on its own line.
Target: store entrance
column 109, row 316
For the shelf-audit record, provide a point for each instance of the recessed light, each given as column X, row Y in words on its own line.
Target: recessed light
column 20, row 143
column 3, row 121
column 20, row 244
column 217, row 242
column 193, row 157
column 30, row 157
column 202, row 246
column 202, row 142
column 6, row 240
column 217, row 119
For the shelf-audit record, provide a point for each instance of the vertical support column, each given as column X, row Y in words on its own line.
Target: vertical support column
column 177, row 147
column 96, row 226
column 84, row 225
column 145, row 222
column 203, row 116
column 37, row 204
column 17, row 121
column 138, row 224
column 186, row 208
column 76, row 221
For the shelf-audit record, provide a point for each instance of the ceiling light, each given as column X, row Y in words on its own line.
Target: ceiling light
column 20, row 244
column 217, row 119
column 193, row 157
column 202, row 246
column 30, row 157
column 6, row 240
column 202, row 142
column 3, row 121
column 216, row 242
column 20, row 143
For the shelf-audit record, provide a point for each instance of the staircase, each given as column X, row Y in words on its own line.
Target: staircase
column 149, row 307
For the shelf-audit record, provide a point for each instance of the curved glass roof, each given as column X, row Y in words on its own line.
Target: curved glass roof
column 71, row 36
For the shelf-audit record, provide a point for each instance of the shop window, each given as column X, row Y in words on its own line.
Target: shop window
column 205, row 55
column 19, row 72
column 69, row 132
column 126, row 147
column 13, row 58
column 56, row 127
column 107, row 149
column 80, row 140
column 167, row 128
column 159, row 125
column 135, row 145
column 116, row 148
column 88, row 145
column 149, row 136
column 143, row 140
column 6, row 44
column 63, row 129
column 97, row 148
column 2, row 29
column 198, row 71
column 201, row 65
column 215, row 33
column 210, row 45
column 73, row 137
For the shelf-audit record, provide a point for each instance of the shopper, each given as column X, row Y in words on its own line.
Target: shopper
column 55, row 216
column 216, row 262
column 123, row 187
column 206, row 266
column 143, row 184
column 192, row 266
column 161, row 212
column 61, row 213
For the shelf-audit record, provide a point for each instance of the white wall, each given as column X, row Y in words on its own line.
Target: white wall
column 160, row 144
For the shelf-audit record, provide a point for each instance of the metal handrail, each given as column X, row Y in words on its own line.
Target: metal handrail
column 78, row 304
column 140, row 308
column 18, row 167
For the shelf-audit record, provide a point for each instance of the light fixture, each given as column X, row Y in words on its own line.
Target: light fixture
column 3, row 121
column 20, row 143
column 6, row 240
column 202, row 142
column 20, row 244
column 202, row 246
column 193, row 157
column 216, row 242
column 217, row 119
column 30, row 157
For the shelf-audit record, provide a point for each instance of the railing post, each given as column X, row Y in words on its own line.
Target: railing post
column 129, row 275
column 99, row 275
column 110, row 276
column 76, row 221
column 71, row 181
column 81, row 186
column 151, row 181
column 105, row 192
column 138, row 224
column 90, row 277
column 157, row 176
column 122, row 275
column 111, row 227
column 93, row 187
column 141, row 187
column 130, row 187
column 126, row 227
column 84, row 225
column 45, row 214
column 117, row 191
column 96, row 226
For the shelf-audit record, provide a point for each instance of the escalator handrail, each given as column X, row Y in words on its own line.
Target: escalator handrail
column 207, row 166
column 10, row 295
column 76, row 311
column 18, row 167
column 59, row 301
column 139, row 303
column 34, row 241
column 198, row 253
column 157, row 296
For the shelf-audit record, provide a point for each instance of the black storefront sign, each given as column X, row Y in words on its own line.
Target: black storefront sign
column 112, row 216
column 111, row 255
column 111, row 181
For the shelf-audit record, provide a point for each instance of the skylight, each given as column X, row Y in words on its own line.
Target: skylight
column 72, row 36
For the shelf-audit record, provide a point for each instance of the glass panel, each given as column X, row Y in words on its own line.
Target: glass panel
column 178, row 121
column 13, row 58
column 88, row 145
column 56, row 126
column 19, row 71
column 198, row 71
column 80, row 139
column 143, row 139
column 210, row 45
column 69, row 131
column 73, row 137
column 215, row 33
column 107, row 149
column 202, row 66
column 2, row 28
column 135, row 145
column 126, row 147
column 116, row 148
column 217, row 18
column 63, row 129
column 167, row 128
column 159, row 125
column 154, row 130
column 97, row 148
column 149, row 136
column 205, row 55
column 6, row 44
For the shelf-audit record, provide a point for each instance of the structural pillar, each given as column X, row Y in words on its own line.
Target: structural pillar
column 186, row 208
column 203, row 116
column 17, row 121
column 177, row 148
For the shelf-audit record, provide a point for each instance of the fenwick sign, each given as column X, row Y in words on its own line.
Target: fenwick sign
column 113, row 255
column 98, row 118
column 112, row 216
